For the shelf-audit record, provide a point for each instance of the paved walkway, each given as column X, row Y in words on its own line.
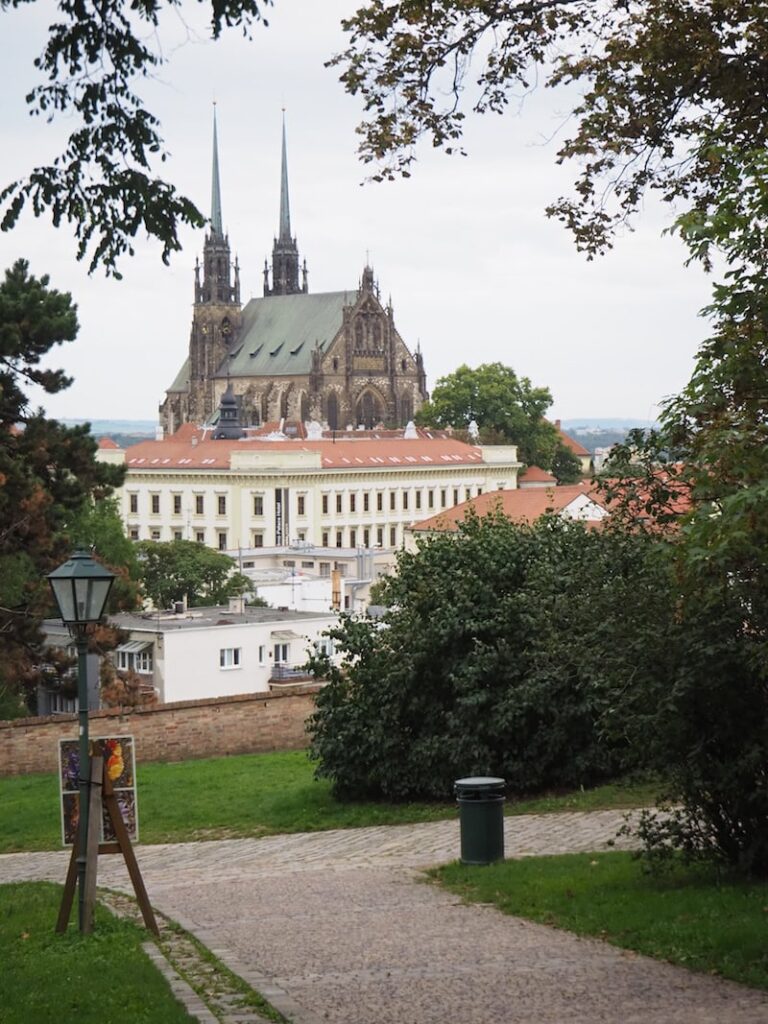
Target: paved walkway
column 338, row 927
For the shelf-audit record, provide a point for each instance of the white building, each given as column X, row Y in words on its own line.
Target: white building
column 307, row 578
column 253, row 492
column 215, row 652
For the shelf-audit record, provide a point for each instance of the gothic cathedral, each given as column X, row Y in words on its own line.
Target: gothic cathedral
column 334, row 357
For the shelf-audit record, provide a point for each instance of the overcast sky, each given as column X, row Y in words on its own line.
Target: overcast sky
column 476, row 271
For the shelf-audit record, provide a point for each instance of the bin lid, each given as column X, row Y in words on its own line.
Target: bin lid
column 480, row 782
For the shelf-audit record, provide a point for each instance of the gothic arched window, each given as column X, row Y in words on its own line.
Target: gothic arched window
column 332, row 411
column 406, row 409
column 358, row 333
column 368, row 410
column 284, row 404
column 376, row 334
column 304, row 411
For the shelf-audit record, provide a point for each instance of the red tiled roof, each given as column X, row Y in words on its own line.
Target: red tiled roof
column 193, row 448
column 521, row 506
column 569, row 442
column 536, row 475
column 107, row 442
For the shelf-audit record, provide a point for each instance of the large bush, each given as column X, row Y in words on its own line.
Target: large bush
column 480, row 665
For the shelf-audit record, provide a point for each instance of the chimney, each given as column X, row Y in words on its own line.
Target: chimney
column 159, row 433
column 557, row 424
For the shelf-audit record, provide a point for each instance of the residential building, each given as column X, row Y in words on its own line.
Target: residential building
column 535, row 476
column 525, row 505
column 214, row 652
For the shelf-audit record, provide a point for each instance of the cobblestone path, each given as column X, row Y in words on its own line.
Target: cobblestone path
column 338, row 927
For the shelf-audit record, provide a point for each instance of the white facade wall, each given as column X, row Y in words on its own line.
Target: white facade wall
column 365, row 507
column 584, row 508
column 188, row 661
column 300, row 594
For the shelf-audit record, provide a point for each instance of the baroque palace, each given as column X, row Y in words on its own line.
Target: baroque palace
column 335, row 357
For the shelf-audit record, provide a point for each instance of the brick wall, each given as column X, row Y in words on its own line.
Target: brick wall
column 247, row 724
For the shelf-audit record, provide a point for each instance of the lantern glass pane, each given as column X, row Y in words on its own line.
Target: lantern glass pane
column 63, row 591
column 98, row 597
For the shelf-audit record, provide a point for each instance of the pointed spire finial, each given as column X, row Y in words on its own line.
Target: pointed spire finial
column 285, row 213
column 216, row 223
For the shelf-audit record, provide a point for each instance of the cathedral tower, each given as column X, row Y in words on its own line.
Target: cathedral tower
column 216, row 314
column 285, row 252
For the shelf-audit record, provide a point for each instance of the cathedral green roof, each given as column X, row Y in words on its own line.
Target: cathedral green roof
column 181, row 383
column 279, row 332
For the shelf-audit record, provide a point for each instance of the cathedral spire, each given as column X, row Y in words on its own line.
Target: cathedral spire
column 216, row 285
column 285, row 253
column 285, row 211
column 216, row 223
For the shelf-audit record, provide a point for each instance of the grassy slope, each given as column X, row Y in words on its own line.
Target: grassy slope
column 690, row 916
column 248, row 795
column 50, row 979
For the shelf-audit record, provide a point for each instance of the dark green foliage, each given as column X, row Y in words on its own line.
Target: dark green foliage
column 48, row 472
column 479, row 667
column 506, row 408
column 182, row 569
column 649, row 84
column 100, row 528
column 103, row 184
column 706, row 469
column 566, row 467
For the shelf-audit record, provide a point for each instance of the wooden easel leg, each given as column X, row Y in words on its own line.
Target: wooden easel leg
column 124, row 842
column 68, row 896
column 92, row 841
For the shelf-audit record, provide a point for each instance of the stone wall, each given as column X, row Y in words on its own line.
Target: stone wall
column 247, row 724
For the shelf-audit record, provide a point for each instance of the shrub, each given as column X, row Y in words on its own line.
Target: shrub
column 478, row 666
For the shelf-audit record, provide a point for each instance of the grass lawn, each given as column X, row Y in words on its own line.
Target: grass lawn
column 49, row 979
column 247, row 795
column 689, row 916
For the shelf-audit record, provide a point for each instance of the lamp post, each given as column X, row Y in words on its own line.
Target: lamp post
column 81, row 587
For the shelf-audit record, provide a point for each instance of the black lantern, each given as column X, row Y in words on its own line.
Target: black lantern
column 81, row 587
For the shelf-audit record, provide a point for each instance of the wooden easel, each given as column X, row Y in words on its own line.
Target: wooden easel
column 101, row 794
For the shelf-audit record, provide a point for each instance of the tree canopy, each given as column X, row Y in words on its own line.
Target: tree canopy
column 104, row 183
column 184, row 570
column 656, row 84
column 48, row 472
column 652, row 86
column 566, row 467
column 505, row 407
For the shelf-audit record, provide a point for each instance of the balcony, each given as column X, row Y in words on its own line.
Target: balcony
column 287, row 675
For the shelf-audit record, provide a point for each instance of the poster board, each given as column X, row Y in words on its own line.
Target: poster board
column 120, row 764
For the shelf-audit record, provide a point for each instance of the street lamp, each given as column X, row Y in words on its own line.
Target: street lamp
column 81, row 587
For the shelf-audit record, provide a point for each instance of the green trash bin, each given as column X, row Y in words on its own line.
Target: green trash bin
column 481, row 819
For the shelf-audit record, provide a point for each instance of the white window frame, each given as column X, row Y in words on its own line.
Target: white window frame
column 142, row 662
column 282, row 652
column 230, row 658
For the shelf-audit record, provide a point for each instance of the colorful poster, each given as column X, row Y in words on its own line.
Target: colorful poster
column 120, row 761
